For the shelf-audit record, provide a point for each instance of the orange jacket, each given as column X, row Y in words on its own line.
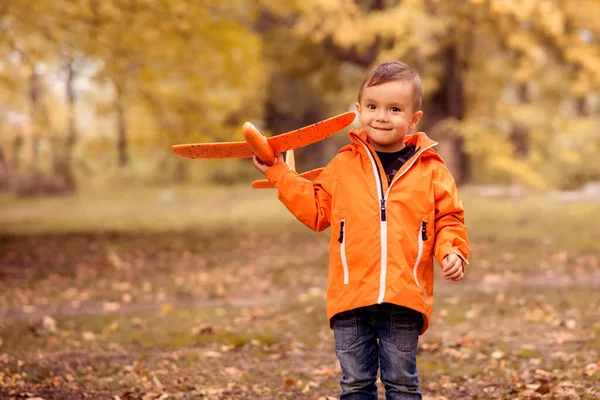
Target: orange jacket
column 383, row 237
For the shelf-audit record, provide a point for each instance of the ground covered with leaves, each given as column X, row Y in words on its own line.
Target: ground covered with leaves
column 236, row 310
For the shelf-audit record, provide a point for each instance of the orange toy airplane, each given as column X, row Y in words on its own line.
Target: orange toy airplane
column 265, row 148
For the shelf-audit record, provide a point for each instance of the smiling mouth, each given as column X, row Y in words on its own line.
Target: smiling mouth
column 381, row 129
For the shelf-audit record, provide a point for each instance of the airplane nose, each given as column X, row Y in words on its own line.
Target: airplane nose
column 251, row 126
column 257, row 141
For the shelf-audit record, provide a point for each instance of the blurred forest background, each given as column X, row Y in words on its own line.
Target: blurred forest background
column 127, row 272
column 96, row 92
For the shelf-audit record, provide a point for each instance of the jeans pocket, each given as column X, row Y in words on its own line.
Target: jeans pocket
column 405, row 327
column 345, row 329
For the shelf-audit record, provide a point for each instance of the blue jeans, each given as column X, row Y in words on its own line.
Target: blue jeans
column 379, row 336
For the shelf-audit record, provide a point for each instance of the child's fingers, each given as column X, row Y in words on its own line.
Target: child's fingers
column 450, row 273
column 454, row 272
column 457, row 273
column 258, row 164
column 457, row 276
column 448, row 262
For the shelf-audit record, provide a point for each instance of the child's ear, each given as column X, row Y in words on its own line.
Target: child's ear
column 357, row 106
column 415, row 119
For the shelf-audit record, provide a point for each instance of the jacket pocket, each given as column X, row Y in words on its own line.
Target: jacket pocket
column 421, row 238
column 342, row 240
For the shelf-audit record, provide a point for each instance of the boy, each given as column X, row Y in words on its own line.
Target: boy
column 392, row 206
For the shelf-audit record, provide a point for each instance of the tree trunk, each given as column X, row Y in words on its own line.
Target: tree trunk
column 4, row 169
column 448, row 102
column 582, row 106
column 122, row 129
column 311, row 110
column 17, row 146
column 72, row 126
column 519, row 135
column 35, row 117
column 65, row 165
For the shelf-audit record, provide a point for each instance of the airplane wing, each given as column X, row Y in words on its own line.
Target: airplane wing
column 213, row 150
column 310, row 175
column 280, row 143
column 311, row 133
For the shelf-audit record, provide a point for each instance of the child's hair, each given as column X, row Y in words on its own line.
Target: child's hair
column 394, row 71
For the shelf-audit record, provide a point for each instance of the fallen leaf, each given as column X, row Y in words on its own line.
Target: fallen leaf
column 204, row 329
column 227, row 347
column 289, row 382
column 49, row 323
column 138, row 323
column 109, row 306
column 28, row 309
column 165, row 308
column 211, row 354
column 156, row 382
column 323, row 372
column 113, row 326
column 497, row 355
column 545, row 387
column 529, row 395
column 591, row 369
column 116, row 261
column 233, row 371
column 570, row 324
column 540, row 373
column 561, row 257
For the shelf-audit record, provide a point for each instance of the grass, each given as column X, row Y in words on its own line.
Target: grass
column 201, row 292
column 149, row 209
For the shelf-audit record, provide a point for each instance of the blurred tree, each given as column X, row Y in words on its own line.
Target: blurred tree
column 28, row 43
column 194, row 65
column 511, row 85
column 490, row 69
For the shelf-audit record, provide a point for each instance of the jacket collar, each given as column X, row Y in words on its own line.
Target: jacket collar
column 419, row 139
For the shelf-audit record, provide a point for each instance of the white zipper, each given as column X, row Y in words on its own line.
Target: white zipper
column 382, row 229
column 343, row 250
column 383, row 224
column 419, row 253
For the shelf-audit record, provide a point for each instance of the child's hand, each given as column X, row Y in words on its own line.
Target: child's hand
column 453, row 267
column 263, row 167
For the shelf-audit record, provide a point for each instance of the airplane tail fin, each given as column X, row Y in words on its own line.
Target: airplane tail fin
column 310, row 175
column 290, row 160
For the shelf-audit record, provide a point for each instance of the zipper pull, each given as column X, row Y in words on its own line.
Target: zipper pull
column 424, row 230
column 341, row 238
column 382, row 208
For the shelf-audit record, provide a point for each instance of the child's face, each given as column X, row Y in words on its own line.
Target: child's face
column 386, row 114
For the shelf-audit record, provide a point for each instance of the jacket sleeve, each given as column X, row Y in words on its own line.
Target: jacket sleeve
column 309, row 202
column 450, row 229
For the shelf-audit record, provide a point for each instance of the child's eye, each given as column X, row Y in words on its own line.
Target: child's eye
column 371, row 106
column 395, row 109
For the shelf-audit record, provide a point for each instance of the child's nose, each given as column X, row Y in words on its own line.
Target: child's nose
column 382, row 115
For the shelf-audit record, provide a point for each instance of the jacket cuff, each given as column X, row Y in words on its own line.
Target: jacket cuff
column 444, row 251
column 276, row 172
